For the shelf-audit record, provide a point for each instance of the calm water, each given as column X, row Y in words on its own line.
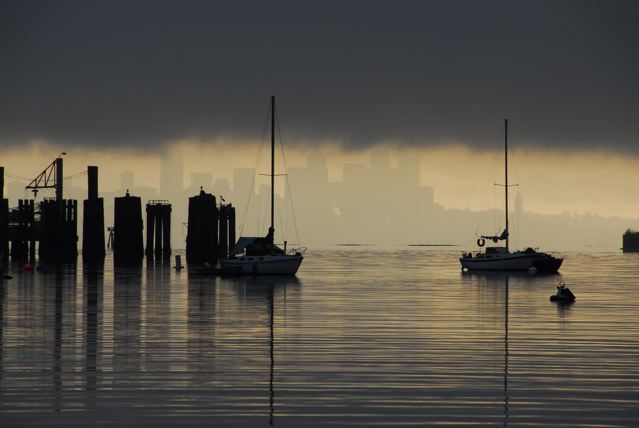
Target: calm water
column 361, row 337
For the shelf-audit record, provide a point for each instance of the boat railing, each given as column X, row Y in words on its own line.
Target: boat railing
column 299, row 250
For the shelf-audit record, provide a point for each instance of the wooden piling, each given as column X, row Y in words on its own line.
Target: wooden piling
column 22, row 231
column 223, row 245
column 227, row 230
column 202, row 232
column 4, row 219
column 159, row 224
column 158, row 229
column 166, row 233
column 150, row 232
column 58, row 228
column 127, row 245
column 93, row 221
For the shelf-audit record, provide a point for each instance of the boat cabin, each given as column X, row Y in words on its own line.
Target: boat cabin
column 490, row 252
column 496, row 250
column 255, row 247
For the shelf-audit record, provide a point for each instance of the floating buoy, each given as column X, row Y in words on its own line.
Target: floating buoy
column 564, row 295
column 27, row 267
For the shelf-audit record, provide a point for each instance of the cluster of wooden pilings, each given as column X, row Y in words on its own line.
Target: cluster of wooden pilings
column 22, row 231
column 58, row 230
column 211, row 229
column 50, row 226
column 53, row 222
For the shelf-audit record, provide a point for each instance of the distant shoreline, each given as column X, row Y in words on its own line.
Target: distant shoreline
column 433, row 245
column 408, row 245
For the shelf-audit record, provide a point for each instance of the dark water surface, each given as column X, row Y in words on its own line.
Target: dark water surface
column 361, row 337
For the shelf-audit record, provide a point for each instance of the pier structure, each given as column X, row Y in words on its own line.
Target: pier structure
column 58, row 230
column 158, row 229
column 58, row 226
column 210, row 230
column 93, row 221
column 53, row 224
column 201, row 236
column 22, row 231
column 127, row 239
column 630, row 241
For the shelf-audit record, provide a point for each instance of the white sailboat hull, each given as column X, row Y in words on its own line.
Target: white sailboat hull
column 265, row 265
column 511, row 262
column 519, row 261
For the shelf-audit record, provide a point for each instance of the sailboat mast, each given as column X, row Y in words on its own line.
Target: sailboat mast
column 506, row 173
column 271, row 229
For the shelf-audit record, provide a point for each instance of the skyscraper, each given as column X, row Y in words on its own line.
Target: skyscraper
column 171, row 173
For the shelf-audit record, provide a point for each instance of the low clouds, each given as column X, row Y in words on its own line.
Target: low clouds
column 125, row 74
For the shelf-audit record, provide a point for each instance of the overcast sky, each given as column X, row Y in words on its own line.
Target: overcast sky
column 124, row 73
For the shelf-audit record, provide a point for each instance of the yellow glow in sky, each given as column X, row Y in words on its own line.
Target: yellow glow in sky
column 549, row 182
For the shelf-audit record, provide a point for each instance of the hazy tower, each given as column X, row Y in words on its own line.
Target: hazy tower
column 127, row 180
column 171, row 173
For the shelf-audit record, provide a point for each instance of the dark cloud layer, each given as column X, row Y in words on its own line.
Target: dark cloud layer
column 142, row 73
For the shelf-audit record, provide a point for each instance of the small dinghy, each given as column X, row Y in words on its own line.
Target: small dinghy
column 564, row 295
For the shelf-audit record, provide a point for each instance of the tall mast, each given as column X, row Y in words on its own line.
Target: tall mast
column 506, row 173
column 271, row 230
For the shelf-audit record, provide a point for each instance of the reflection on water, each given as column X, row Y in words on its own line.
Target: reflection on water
column 360, row 338
column 93, row 290
column 506, row 414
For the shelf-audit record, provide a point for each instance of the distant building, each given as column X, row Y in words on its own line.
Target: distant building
column 200, row 179
column 127, row 180
column 222, row 187
column 243, row 181
column 408, row 169
column 631, row 241
column 15, row 191
column 171, row 173
column 380, row 161
column 355, row 174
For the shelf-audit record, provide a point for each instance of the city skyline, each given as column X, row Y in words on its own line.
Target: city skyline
column 355, row 208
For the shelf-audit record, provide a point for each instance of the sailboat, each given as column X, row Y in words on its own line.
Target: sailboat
column 259, row 255
column 500, row 258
